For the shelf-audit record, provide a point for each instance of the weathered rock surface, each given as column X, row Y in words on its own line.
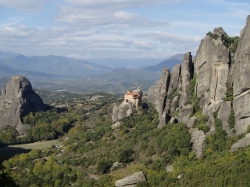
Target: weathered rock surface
column 197, row 138
column 131, row 180
column 210, row 54
column 157, row 93
column 223, row 114
column 184, row 113
column 169, row 168
column 122, row 111
column 18, row 99
column 241, row 106
column 187, row 71
column 172, row 94
column 241, row 83
column 241, row 143
column 191, row 121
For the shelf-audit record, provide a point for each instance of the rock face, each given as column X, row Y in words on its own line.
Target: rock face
column 18, row 99
column 241, row 83
column 157, row 93
column 122, row 111
column 187, row 72
column 216, row 71
column 131, row 180
column 198, row 138
column 241, row 143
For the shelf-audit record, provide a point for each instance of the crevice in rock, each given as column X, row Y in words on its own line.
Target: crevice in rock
column 216, row 85
column 244, row 90
column 202, row 65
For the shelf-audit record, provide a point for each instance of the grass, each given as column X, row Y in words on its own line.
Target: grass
column 11, row 150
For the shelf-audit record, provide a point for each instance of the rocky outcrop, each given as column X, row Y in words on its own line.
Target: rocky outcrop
column 187, row 71
column 157, row 93
column 211, row 57
column 241, row 83
column 124, row 110
column 241, row 143
column 131, row 180
column 198, row 140
column 184, row 113
column 18, row 99
column 216, row 71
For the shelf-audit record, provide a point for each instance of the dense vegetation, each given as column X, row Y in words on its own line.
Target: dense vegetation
column 91, row 153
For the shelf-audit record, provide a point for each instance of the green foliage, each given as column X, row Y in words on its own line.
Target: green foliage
column 218, row 140
column 229, row 94
column 231, row 118
column 200, row 122
column 230, row 42
column 104, row 166
column 177, row 140
column 125, row 156
column 5, row 179
column 214, row 36
column 8, row 135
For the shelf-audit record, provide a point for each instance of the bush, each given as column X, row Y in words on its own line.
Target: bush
column 103, row 167
column 125, row 156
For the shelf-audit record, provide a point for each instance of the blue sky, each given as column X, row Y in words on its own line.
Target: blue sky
column 123, row 29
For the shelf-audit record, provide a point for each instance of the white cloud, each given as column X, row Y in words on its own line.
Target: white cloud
column 24, row 5
column 91, row 17
column 116, row 4
column 163, row 37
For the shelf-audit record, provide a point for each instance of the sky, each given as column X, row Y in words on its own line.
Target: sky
column 123, row 29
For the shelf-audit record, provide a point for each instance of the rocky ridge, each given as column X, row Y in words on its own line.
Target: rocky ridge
column 213, row 85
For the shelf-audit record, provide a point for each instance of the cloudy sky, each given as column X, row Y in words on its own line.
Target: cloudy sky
column 123, row 29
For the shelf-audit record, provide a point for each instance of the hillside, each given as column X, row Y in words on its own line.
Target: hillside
column 191, row 130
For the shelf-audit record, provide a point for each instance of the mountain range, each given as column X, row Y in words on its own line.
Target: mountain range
column 58, row 66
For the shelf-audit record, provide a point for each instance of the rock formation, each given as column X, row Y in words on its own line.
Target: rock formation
column 131, row 180
column 241, row 83
column 217, row 68
column 124, row 110
column 17, row 100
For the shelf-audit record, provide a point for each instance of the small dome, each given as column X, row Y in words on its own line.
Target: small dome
column 138, row 91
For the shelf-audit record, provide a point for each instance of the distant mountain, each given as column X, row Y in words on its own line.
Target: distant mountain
column 54, row 65
column 125, row 63
column 128, row 75
column 6, row 71
column 170, row 62
column 7, row 55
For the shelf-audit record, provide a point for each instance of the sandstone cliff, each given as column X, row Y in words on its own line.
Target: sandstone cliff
column 18, row 99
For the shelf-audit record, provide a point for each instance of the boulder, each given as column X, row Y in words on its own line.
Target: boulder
column 18, row 99
column 169, row 168
column 116, row 125
column 241, row 143
column 131, row 180
column 198, row 138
